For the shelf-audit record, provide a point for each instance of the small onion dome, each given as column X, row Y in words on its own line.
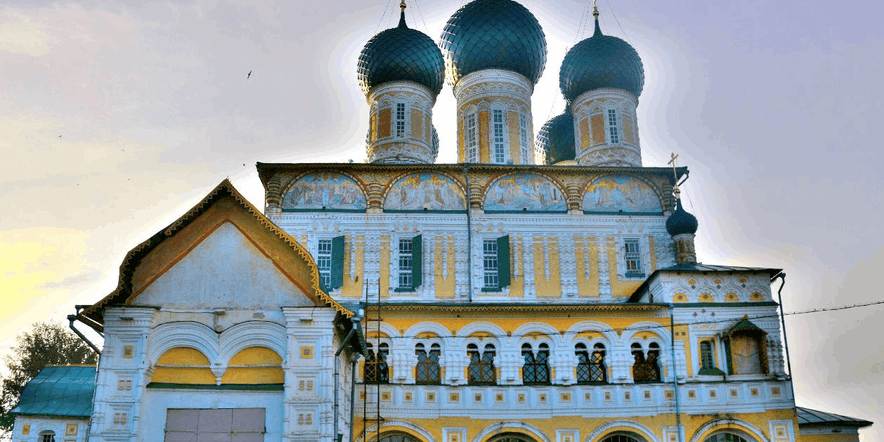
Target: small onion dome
column 556, row 138
column 601, row 61
column 401, row 54
column 681, row 222
column 493, row 34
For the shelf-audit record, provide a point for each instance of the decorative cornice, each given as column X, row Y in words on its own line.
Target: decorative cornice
column 394, row 87
column 493, row 82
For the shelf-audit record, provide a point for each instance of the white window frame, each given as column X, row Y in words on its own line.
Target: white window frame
column 405, row 259
column 490, row 264
column 523, row 139
column 634, row 256
column 324, row 261
column 472, row 137
column 612, row 122
column 400, row 122
column 498, row 136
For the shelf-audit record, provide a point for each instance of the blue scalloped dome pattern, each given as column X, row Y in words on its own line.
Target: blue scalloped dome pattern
column 493, row 34
column 601, row 61
column 556, row 138
column 401, row 54
column 681, row 222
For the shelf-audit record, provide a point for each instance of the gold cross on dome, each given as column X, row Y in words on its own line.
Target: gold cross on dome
column 674, row 173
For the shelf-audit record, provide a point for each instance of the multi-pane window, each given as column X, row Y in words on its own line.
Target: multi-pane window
column 400, row 119
column 590, row 367
column 481, row 370
column 632, row 256
column 707, row 356
column 645, row 368
column 428, row 370
column 324, row 262
column 47, row 436
column 536, row 367
column 613, row 129
column 490, row 263
column 726, row 437
column 523, row 139
column 620, row 438
column 376, row 369
column 406, row 262
column 472, row 139
column 497, row 124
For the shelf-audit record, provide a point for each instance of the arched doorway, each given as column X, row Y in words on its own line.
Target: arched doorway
column 623, row 437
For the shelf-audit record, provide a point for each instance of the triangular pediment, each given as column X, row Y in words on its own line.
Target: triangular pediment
column 221, row 253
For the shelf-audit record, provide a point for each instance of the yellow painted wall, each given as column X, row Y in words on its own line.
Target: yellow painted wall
column 384, row 123
column 627, row 129
column 618, row 288
column 598, row 129
column 417, row 124
column 428, row 129
column 517, row 281
column 353, row 283
column 254, row 366
column 183, row 365
column 549, row 427
column 373, row 128
column 512, row 120
column 584, row 133
column 652, row 246
column 587, row 286
column 553, row 286
column 444, row 276
column 385, row 266
column 461, row 144
column 484, row 141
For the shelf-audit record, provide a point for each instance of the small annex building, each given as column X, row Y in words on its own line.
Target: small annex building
column 55, row 405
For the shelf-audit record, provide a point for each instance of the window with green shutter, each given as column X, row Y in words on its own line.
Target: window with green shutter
column 410, row 254
column 496, row 263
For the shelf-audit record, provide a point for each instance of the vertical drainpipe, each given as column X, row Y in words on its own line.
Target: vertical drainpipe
column 355, row 323
column 466, row 174
column 782, row 278
column 674, row 372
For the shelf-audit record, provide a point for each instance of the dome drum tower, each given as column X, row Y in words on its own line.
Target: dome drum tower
column 606, row 130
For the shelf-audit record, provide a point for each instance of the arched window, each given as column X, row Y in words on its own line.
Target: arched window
column 727, row 437
column 536, row 368
column 47, row 436
column 400, row 120
column 376, row 369
column 624, row 437
column 481, row 370
column 396, row 437
column 613, row 127
column 511, row 437
column 645, row 368
column 428, row 371
column 498, row 133
column 591, row 368
column 472, row 138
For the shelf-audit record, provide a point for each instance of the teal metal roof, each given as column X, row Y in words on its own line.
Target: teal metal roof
column 59, row 391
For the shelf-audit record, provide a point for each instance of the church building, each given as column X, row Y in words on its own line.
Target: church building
column 543, row 289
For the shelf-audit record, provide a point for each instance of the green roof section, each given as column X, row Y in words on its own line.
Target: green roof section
column 744, row 325
column 64, row 391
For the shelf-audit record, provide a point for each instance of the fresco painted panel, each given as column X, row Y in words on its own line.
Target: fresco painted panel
column 324, row 190
column 621, row 193
column 524, row 192
column 425, row 191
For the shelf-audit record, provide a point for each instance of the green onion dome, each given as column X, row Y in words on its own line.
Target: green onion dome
column 556, row 138
column 401, row 54
column 493, row 34
column 601, row 61
column 681, row 222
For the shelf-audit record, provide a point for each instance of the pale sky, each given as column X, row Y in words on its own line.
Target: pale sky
column 116, row 117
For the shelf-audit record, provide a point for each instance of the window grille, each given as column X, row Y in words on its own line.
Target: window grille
column 511, row 437
column 536, row 368
column 613, row 130
column 490, row 263
column 621, row 438
column 400, row 119
column 497, row 119
column 472, row 140
column 481, row 370
column 376, row 369
column 645, row 369
column 523, row 139
column 428, row 370
column 707, row 358
column 324, row 262
column 406, row 261
column 395, row 437
column 47, row 437
column 591, row 367
column 725, row 437
column 632, row 257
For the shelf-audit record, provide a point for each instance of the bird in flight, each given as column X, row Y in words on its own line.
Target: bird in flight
column 59, row 136
column 249, row 75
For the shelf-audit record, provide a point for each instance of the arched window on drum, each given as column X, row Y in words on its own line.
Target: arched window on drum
column 376, row 369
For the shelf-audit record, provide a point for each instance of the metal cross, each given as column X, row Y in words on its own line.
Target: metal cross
column 674, row 174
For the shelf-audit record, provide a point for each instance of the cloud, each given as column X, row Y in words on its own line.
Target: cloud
column 19, row 35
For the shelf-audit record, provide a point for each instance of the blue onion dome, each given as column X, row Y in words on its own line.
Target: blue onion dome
column 681, row 222
column 601, row 61
column 493, row 34
column 556, row 138
column 401, row 54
